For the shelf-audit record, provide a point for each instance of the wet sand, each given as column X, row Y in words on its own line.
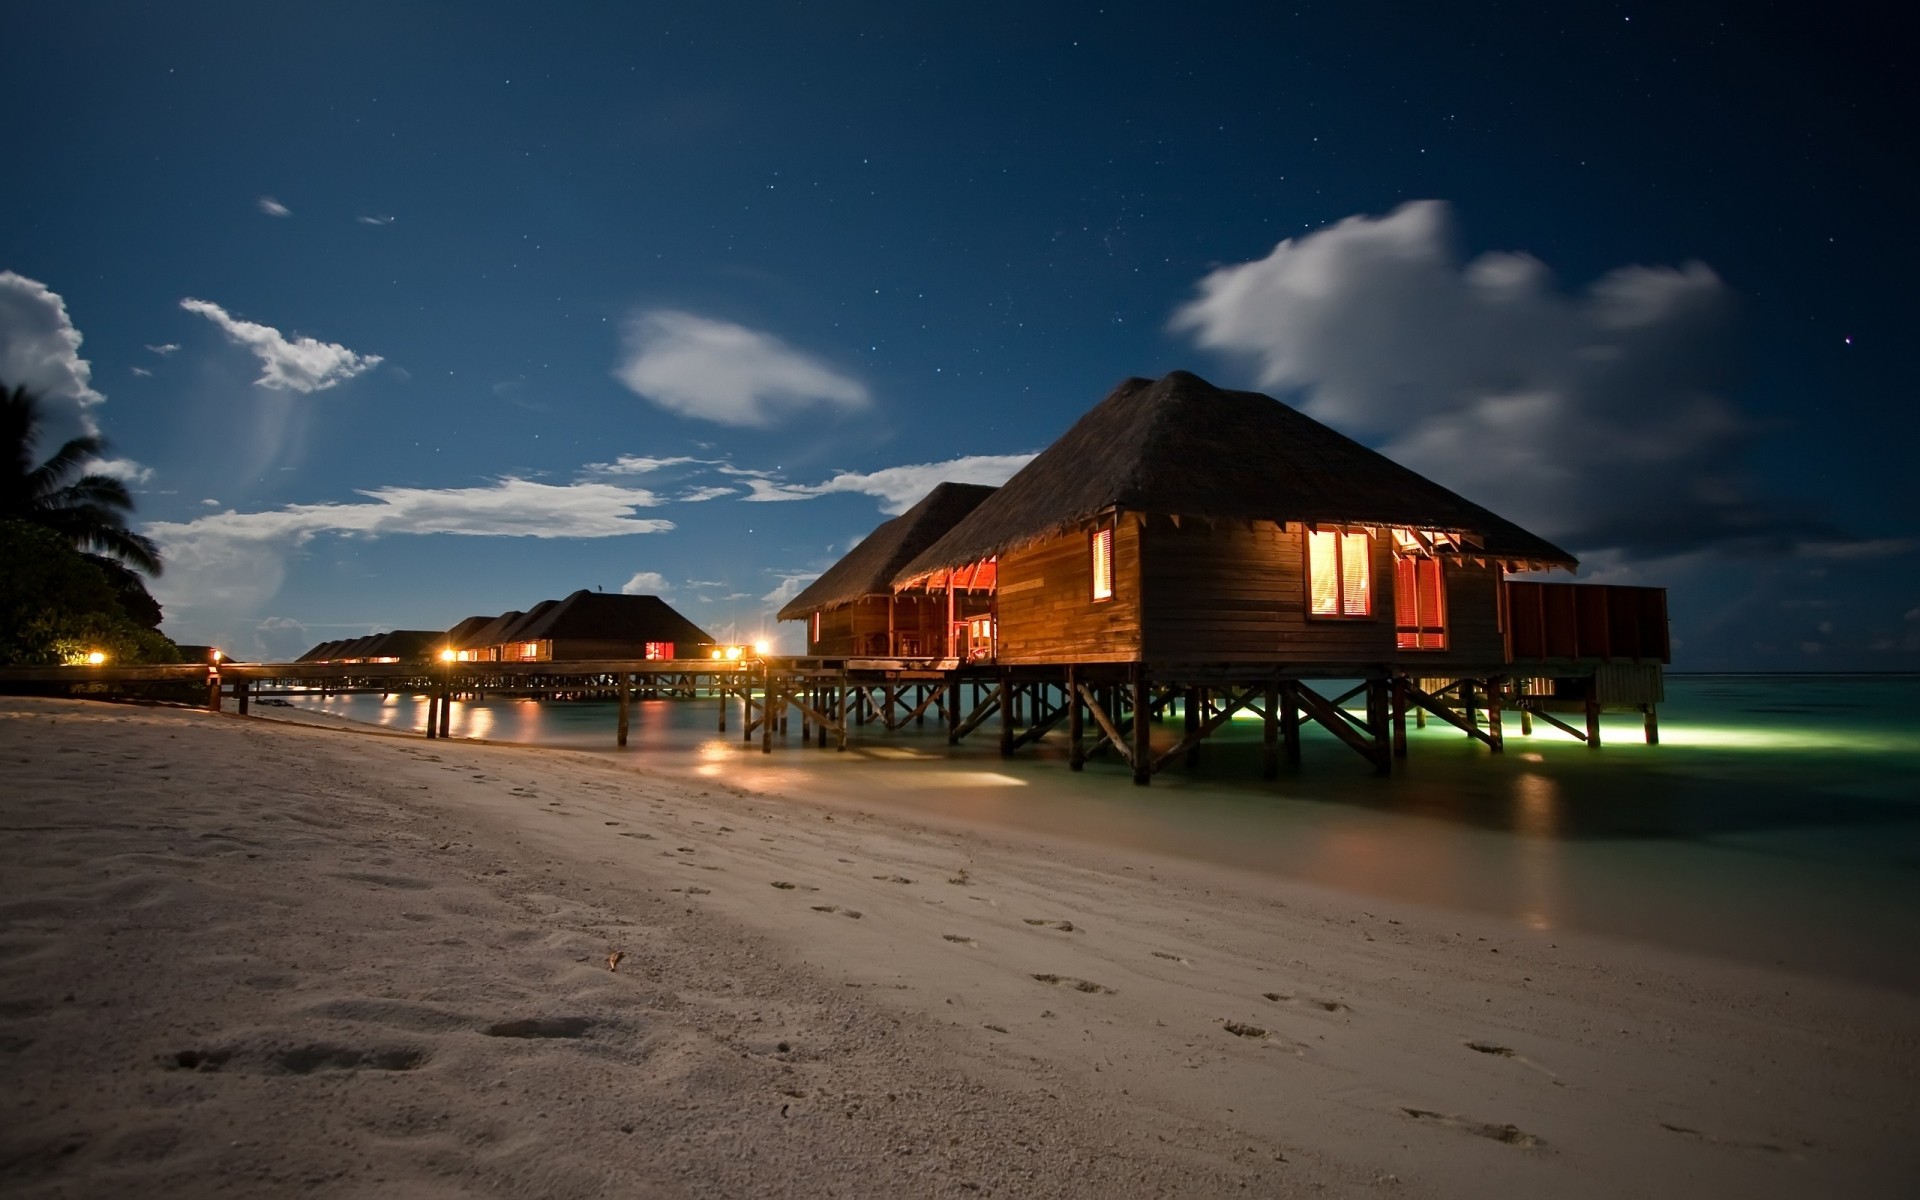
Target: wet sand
column 239, row 957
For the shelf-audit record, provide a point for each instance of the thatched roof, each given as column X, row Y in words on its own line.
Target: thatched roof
column 608, row 616
column 459, row 637
column 403, row 644
column 869, row 568
column 1179, row 446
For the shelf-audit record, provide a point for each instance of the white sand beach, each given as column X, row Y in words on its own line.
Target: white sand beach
column 245, row 957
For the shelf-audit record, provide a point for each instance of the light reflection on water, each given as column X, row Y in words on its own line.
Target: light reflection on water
column 1778, row 821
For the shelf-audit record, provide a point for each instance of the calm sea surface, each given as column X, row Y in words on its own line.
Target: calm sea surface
column 1778, row 821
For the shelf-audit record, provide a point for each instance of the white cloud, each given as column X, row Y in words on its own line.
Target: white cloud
column 790, row 585
column 301, row 365
column 705, row 493
column 234, row 561
column 719, row 371
column 376, row 220
column 40, row 350
column 124, row 469
column 645, row 583
column 210, row 502
column 273, row 208
column 636, row 464
column 165, row 349
column 899, row 488
column 1596, row 417
column 143, row 372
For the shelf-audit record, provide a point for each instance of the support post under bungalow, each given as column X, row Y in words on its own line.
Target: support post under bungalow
column 842, row 710
column 726, row 696
column 1593, row 718
column 953, row 710
column 446, row 703
column 1076, row 730
column 1378, row 721
column 1270, row 733
column 1652, row 721
column 1524, row 687
column 213, row 691
column 1496, row 740
column 1006, row 715
column 766, row 708
column 626, row 708
column 1190, row 706
column 242, row 689
column 433, row 713
column 1142, row 726
column 1290, row 722
column 1399, row 716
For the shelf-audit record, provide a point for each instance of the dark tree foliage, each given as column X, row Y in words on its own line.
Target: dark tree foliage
column 56, row 605
column 90, row 511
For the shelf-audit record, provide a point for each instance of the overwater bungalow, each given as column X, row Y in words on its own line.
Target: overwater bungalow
column 852, row 610
column 1185, row 544
column 400, row 645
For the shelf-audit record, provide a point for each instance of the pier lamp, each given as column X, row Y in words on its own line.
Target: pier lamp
column 96, row 657
column 760, row 648
column 215, row 657
column 446, row 656
column 733, row 653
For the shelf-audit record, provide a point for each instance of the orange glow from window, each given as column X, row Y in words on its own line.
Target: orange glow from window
column 1103, row 563
column 1339, row 574
column 659, row 650
column 1419, row 604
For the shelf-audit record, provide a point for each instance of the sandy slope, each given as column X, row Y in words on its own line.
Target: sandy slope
column 249, row 958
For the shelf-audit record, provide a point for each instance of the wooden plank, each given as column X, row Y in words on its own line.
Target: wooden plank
column 1114, row 737
column 1430, row 703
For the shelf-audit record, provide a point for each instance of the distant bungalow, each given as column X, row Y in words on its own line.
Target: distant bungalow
column 584, row 626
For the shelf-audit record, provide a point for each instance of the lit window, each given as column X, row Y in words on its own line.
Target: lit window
column 816, row 627
column 529, row 649
column 1339, row 576
column 1419, row 604
column 659, row 649
column 1103, row 563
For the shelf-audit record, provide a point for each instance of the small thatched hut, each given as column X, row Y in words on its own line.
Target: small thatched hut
column 596, row 625
column 853, row 611
column 1180, row 522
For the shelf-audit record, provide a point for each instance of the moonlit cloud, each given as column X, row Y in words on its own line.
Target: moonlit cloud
column 718, row 371
column 273, row 208
column 166, row 349
column 301, row 365
column 898, row 488
column 699, row 494
column 40, row 350
column 645, row 583
column 1597, row 417
column 124, row 469
column 143, row 372
column 636, row 464
column 790, row 585
column 231, row 562
column 376, row 220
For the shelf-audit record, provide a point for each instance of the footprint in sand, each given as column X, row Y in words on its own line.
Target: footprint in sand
column 1510, row 1135
column 1062, row 926
column 1171, row 958
column 835, row 908
column 784, row 886
column 893, row 879
column 960, row 939
column 1078, row 985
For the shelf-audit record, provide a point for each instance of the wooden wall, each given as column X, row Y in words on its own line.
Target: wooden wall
column 1237, row 592
column 1047, row 613
column 919, row 626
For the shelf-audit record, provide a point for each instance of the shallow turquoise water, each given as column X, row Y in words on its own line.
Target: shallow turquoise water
column 1778, row 821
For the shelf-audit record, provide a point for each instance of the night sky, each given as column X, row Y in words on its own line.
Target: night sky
column 400, row 313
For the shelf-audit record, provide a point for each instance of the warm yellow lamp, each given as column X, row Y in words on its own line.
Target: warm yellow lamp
column 95, row 658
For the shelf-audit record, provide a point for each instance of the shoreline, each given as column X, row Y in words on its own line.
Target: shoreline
column 408, row 895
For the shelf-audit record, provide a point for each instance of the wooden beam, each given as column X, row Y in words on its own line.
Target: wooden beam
column 1142, row 728
column 626, row 709
column 1198, row 730
column 1101, row 718
column 1270, row 733
column 1076, row 729
column 985, row 709
column 1429, row 703
column 1335, row 721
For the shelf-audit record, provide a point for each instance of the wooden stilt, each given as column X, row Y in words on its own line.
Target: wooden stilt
column 1006, row 716
column 841, row 744
column 1142, row 726
column 1524, row 688
column 1652, row 721
column 1270, row 733
column 1290, row 721
column 626, row 709
column 1496, row 740
column 1593, row 722
column 1399, row 716
column 1190, row 706
column 433, row 714
column 213, row 692
column 720, row 689
column 953, row 711
column 446, row 705
column 242, row 692
column 766, row 709
column 1469, row 710
column 1076, row 731
column 1378, row 720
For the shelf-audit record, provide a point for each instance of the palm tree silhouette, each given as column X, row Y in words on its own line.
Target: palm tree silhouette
column 90, row 511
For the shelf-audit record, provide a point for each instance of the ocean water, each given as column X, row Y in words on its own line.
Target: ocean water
column 1778, row 821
